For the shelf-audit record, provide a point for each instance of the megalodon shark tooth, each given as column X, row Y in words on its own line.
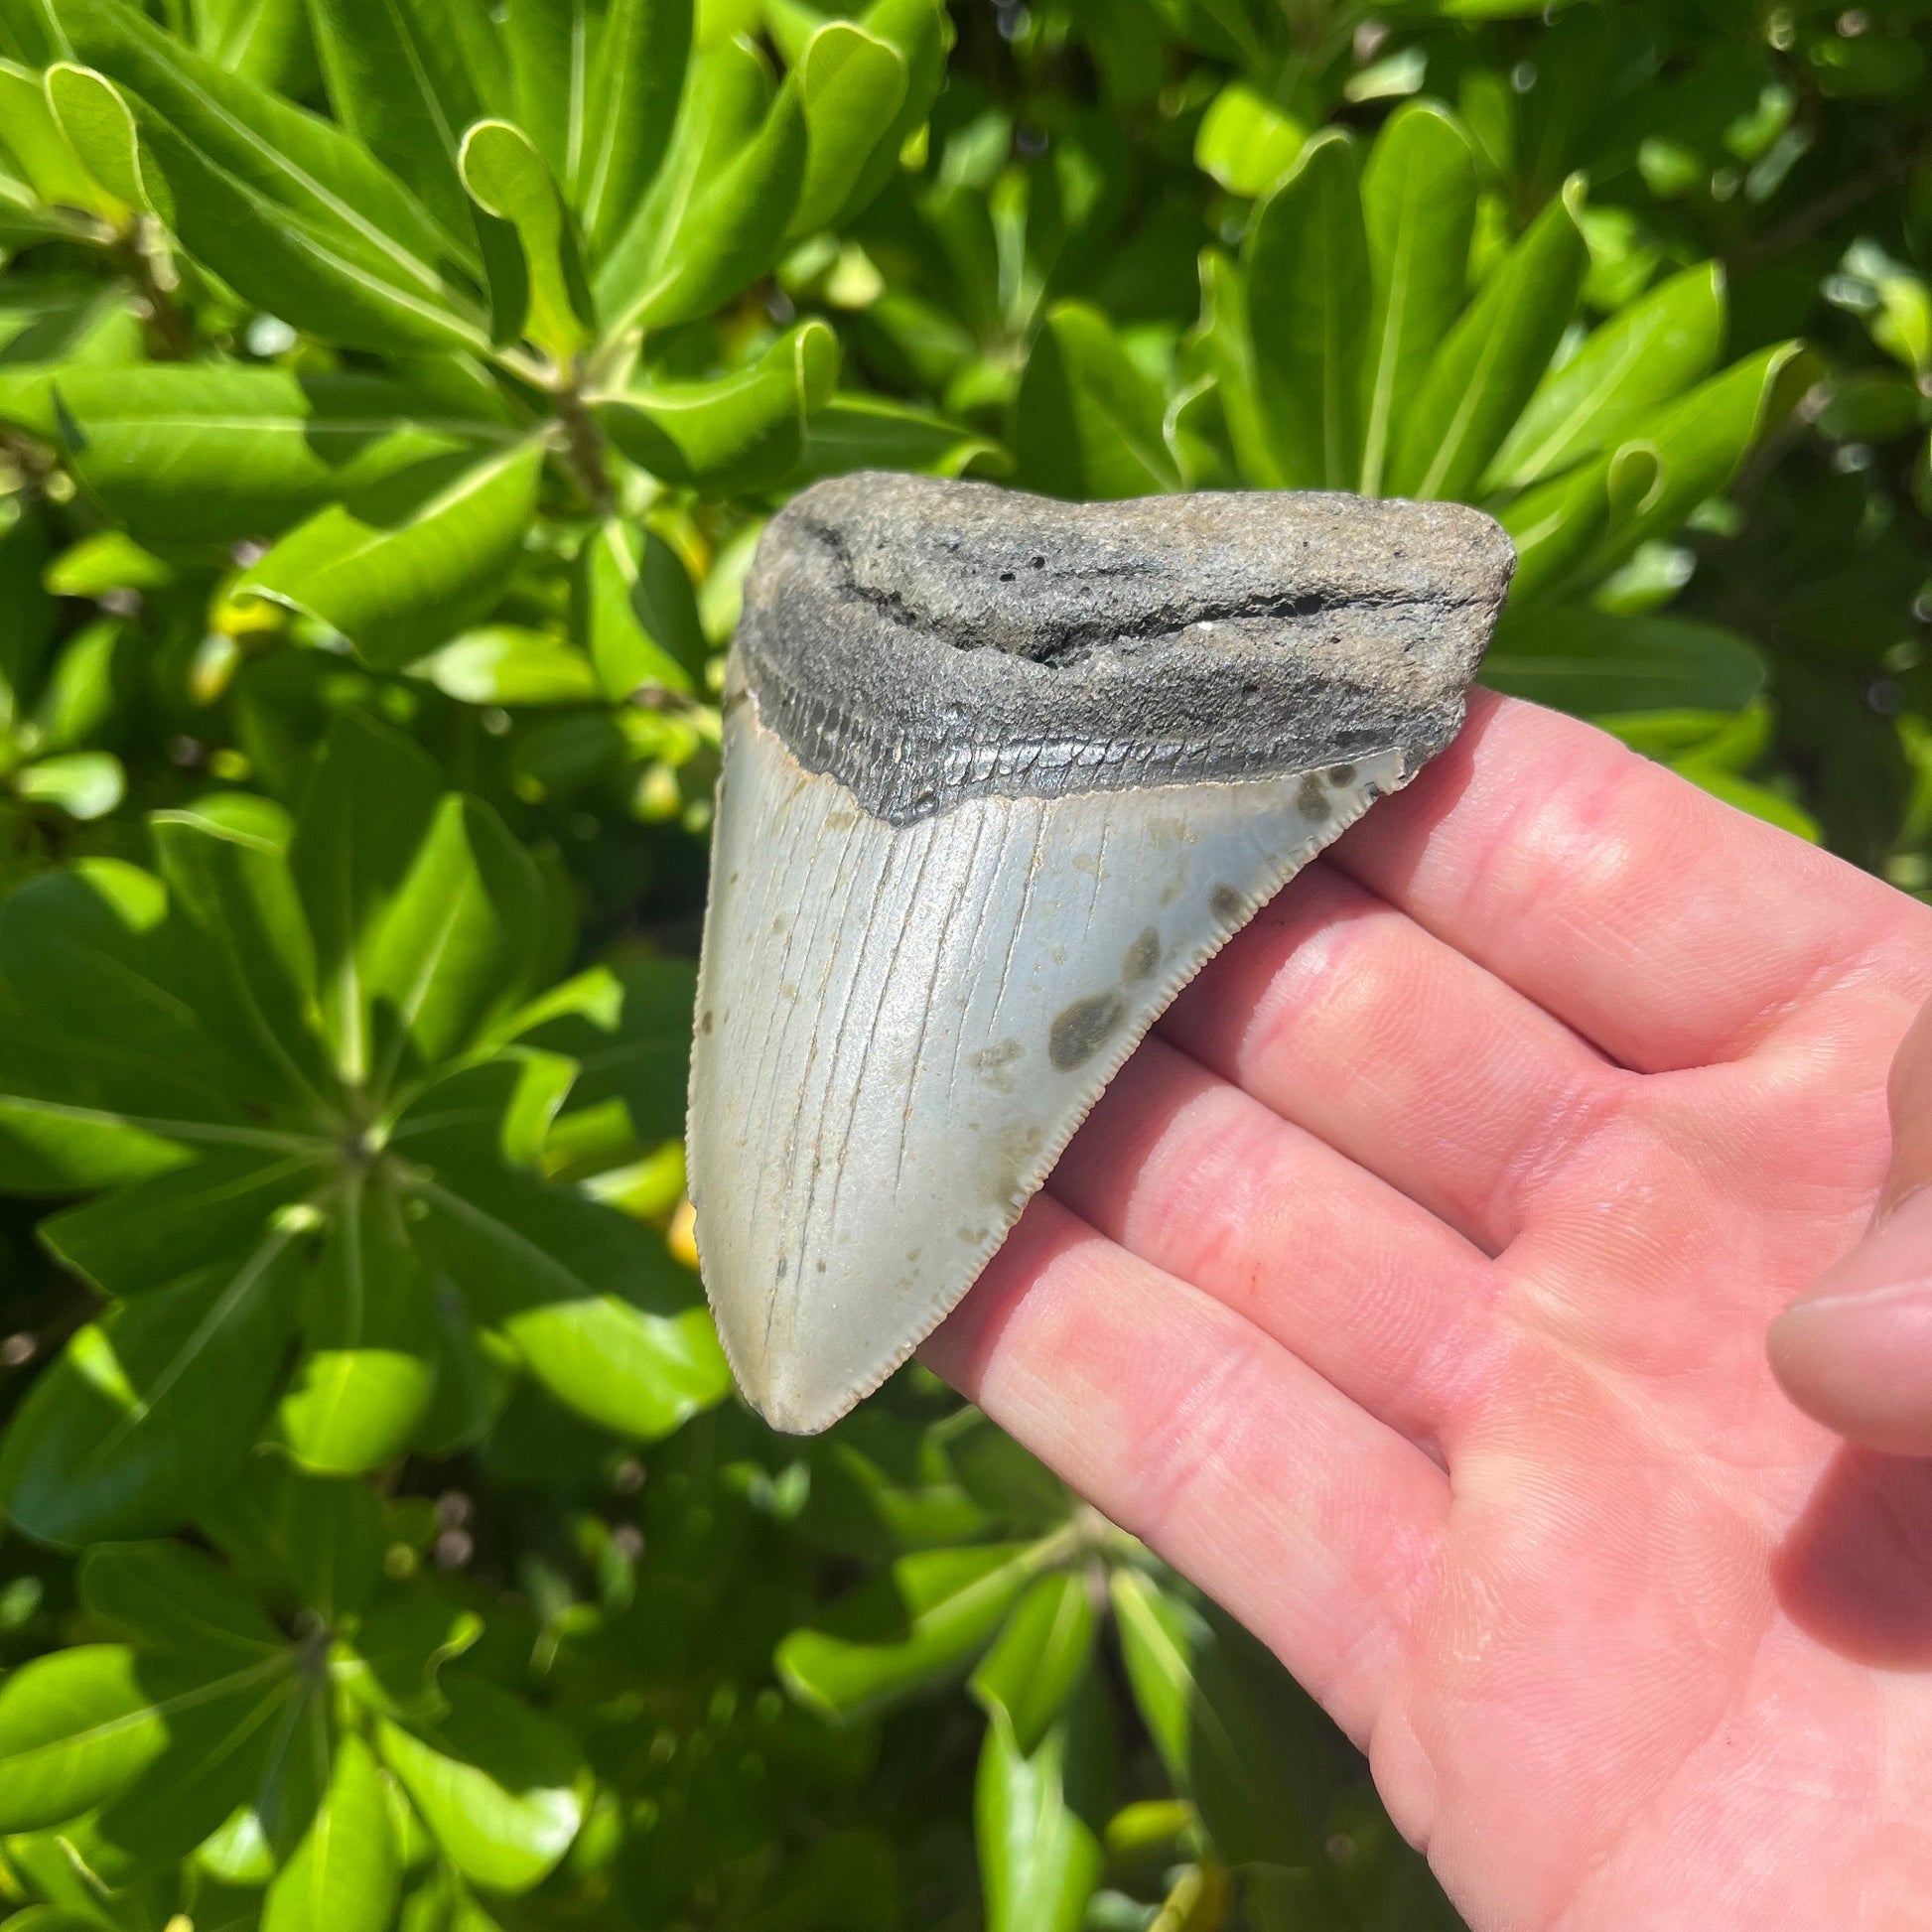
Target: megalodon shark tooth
column 1001, row 774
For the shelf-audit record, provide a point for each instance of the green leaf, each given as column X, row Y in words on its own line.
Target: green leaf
column 727, row 96
column 160, row 1229
column 1309, row 300
column 38, row 149
column 117, row 1077
column 595, row 1307
column 909, row 1628
column 28, row 613
column 1228, row 350
column 507, row 176
column 347, row 1872
column 503, row 664
column 1651, row 352
column 84, row 785
column 75, row 1727
column 730, row 231
column 1419, row 205
column 1087, row 421
column 368, row 1325
column 854, row 431
column 738, row 434
column 1589, row 662
column 1039, row 1660
column 95, row 120
column 225, row 861
column 1245, row 141
column 636, row 81
column 406, row 78
column 1233, row 1729
column 208, row 454
column 288, row 208
column 1494, row 358
column 368, row 805
column 1037, row 1819
column 1558, row 525
column 153, row 1406
column 398, row 584
column 853, row 86
column 498, row 1785
column 1701, row 439
column 168, row 1599
column 459, row 945
column 640, row 611
column 402, row 1643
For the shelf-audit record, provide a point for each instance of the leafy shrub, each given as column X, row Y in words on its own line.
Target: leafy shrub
column 389, row 400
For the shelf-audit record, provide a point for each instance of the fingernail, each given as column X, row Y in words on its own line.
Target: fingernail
column 1892, row 1263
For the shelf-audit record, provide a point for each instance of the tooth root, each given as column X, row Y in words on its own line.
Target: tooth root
column 900, row 1026
column 999, row 776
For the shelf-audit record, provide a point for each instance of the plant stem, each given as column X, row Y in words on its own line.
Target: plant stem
column 584, row 450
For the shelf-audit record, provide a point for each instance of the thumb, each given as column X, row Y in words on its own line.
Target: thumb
column 1855, row 1351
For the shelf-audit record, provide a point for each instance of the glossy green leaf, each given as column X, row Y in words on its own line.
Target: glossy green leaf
column 728, row 231
column 28, row 613
column 84, row 785
column 1558, row 525
column 507, row 176
column 727, row 96
column 497, row 1784
column 32, row 139
column 907, row 1629
column 853, row 86
column 75, row 1727
column 1228, row 350
column 118, row 1076
column 225, row 861
column 1588, row 661
column 406, row 78
column 1037, row 1819
column 1247, row 142
column 286, row 206
column 347, row 1872
column 364, row 817
column 1030, row 1675
column 1494, row 358
column 98, row 124
column 636, row 81
column 397, row 583
column 742, row 432
column 503, row 664
column 226, row 1203
column 854, row 431
column 1653, row 350
column 1701, row 439
column 208, row 453
column 165, row 1599
column 640, row 613
column 1419, row 204
column 1309, row 307
column 1087, row 421
column 597, row 1310
column 459, row 945
column 364, row 1379
column 1232, row 1728
column 153, row 1406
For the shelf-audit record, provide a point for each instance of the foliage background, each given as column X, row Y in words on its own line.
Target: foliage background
column 390, row 396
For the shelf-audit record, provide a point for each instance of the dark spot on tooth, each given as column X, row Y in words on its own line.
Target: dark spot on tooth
column 1143, row 956
column 1226, row 903
column 994, row 1064
column 1312, row 801
column 779, row 925
column 1006, row 577
column 821, row 1268
column 704, row 1024
column 1080, row 1031
column 784, row 1262
column 1342, row 774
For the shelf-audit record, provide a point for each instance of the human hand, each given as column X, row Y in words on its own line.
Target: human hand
column 1856, row 1349
column 1409, row 1290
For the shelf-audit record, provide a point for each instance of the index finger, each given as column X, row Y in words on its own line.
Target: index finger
column 1668, row 927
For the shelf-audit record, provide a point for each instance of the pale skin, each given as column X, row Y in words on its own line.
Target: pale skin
column 1409, row 1290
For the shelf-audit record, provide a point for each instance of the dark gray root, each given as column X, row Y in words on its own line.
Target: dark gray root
column 925, row 643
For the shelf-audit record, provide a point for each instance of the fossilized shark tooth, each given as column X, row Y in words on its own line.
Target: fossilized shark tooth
column 1001, row 774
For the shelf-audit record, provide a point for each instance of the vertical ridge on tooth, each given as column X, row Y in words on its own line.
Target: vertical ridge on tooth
column 943, row 914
